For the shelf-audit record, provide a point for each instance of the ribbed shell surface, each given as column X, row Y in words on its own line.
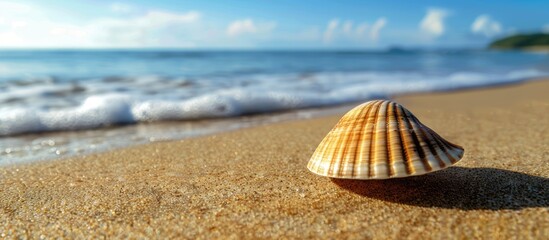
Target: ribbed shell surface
column 381, row 139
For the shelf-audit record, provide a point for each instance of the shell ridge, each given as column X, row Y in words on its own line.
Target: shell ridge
column 456, row 149
column 364, row 157
column 379, row 157
column 403, row 149
column 316, row 155
column 452, row 150
column 443, row 146
column 390, row 171
column 346, row 139
column 417, row 145
column 358, row 143
column 316, row 152
column 319, row 159
column 421, row 141
column 405, row 128
column 433, row 151
column 439, row 147
column 449, row 144
column 320, row 155
column 372, row 145
column 335, row 152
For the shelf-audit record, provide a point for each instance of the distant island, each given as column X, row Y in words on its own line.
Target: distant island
column 535, row 41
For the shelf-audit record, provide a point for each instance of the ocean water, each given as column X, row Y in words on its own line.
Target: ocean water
column 70, row 92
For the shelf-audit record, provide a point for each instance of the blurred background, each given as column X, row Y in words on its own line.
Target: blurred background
column 77, row 76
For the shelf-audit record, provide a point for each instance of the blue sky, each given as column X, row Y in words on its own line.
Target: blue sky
column 262, row 24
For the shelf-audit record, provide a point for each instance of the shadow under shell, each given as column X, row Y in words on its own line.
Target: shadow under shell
column 458, row 188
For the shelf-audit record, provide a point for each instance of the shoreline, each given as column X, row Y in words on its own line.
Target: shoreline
column 253, row 182
column 52, row 146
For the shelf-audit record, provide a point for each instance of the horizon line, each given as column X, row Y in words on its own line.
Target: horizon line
column 390, row 48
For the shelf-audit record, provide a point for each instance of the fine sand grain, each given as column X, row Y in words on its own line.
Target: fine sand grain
column 254, row 183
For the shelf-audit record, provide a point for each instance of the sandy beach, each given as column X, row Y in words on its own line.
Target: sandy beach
column 253, row 183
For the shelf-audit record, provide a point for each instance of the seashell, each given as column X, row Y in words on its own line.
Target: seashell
column 379, row 140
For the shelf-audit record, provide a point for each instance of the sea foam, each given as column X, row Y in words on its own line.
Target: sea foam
column 103, row 102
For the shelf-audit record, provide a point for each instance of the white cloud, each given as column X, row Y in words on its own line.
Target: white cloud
column 163, row 17
column 248, row 26
column 349, row 31
column 484, row 25
column 25, row 25
column 121, row 7
column 376, row 27
column 153, row 29
column 348, row 27
column 32, row 26
column 330, row 30
column 241, row 26
column 7, row 7
column 433, row 22
column 546, row 28
column 67, row 30
column 362, row 29
column 34, row 29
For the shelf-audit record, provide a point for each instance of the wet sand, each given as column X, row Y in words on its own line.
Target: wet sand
column 253, row 183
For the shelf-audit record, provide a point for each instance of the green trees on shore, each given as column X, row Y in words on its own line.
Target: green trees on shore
column 520, row 41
